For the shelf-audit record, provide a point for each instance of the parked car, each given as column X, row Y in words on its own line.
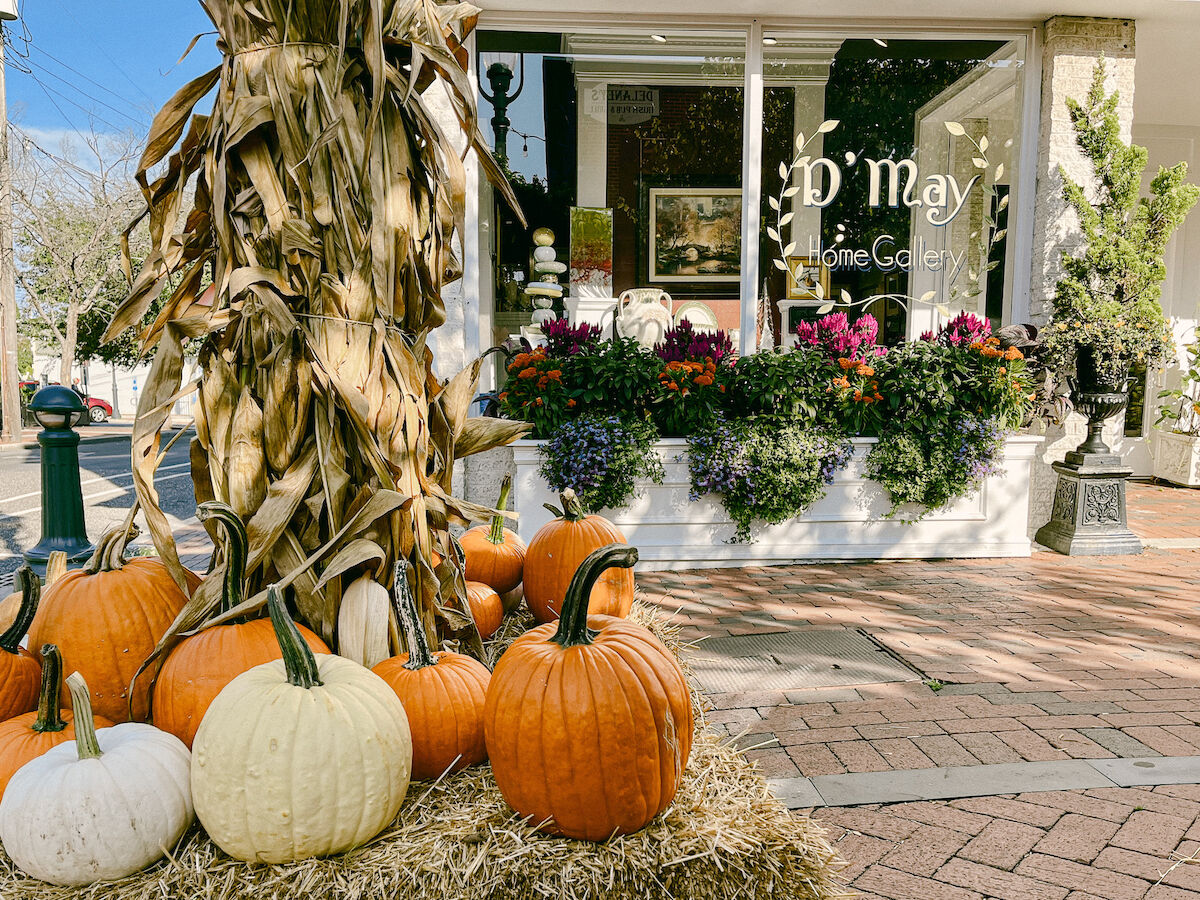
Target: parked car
column 98, row 411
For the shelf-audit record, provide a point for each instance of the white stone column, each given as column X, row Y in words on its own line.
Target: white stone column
column 1071, row 48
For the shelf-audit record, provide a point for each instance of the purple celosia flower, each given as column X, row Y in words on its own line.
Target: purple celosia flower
column 684, row 344
column 961, row 331
column 565, row 339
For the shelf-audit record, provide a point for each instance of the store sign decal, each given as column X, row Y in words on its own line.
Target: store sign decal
column 631, row 105
column 942, row 196
column 884, row 257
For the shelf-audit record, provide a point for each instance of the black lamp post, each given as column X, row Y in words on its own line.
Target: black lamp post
column 57, row 409
column 500, row 77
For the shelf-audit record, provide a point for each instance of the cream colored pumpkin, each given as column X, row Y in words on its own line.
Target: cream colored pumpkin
column 363, row 622
column 100, row 807
column 302, row 757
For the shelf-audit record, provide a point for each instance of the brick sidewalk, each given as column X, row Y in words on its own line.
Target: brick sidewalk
column 1048, row 658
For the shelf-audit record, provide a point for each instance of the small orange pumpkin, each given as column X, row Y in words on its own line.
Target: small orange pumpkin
column 487, row 609
column 495, row 555
column 106, row 618
column 443, row 694
column 202, row 664
column 588, row 721
column 20, row 673
column 28, row 736
column 556, row 552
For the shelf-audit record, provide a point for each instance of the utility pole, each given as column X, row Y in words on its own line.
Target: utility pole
column 10, row 392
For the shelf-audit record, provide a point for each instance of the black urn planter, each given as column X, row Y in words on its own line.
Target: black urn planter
column 1089, row 517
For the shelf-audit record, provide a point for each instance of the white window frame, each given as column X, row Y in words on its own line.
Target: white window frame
column 1017, row 303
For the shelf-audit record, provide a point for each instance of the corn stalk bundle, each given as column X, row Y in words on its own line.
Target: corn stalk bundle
column 321, row 194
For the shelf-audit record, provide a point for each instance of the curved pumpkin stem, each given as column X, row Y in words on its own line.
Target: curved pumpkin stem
column 298, row 658
column 419, row 655
column 572, row 509
column 110, row 552
column 496, row 532
column 31, row 593
column 85, row 723
column 572, row 623
column 49, row 717
column 236, row 544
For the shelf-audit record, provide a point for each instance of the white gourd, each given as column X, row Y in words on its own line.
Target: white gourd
column 101, row 807
column 363, row 622
column 301, row 757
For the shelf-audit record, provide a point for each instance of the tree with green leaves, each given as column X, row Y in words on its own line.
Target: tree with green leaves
column 1107, row 302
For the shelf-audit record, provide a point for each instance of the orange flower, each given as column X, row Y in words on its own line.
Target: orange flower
column 521, row 359
column 993, row 341
column 1003, row 371
column 542, row 382
column 1013, row 353
column 554, row 374
column 704, row 380
column 673, row 386
column 878, row 396
column 864, row 369
column 571, row 404
column 976, row 346
column 846, row 364
column 721, row 388
column 858, row 395
column 528, row 373
column 504, row 395
column 539, row 401
column 841, row 381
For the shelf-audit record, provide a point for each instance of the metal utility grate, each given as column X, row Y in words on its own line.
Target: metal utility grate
column 792, row 660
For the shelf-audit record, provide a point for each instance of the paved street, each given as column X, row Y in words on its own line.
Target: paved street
column 107, row 491
column 1038, row 671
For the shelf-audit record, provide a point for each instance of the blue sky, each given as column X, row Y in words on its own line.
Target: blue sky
column 111, row 61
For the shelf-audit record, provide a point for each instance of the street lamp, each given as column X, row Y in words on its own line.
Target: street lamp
column 57, row 408
column 500, row 77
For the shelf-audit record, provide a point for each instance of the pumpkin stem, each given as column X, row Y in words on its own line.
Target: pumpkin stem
column 56, row 567
column 31, row 592
column 419, row 655
column 572, row 508
column 298, row 657
column 572, row 623
column 85, row 723
column 49, row 717
column 110, row 553
column 236, row 544
column 496, row 534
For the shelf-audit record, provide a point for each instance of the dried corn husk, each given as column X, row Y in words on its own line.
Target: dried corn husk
column 328, row 184
column 363, row 629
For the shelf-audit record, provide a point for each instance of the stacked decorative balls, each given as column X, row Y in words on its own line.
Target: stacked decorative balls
column 286, row 751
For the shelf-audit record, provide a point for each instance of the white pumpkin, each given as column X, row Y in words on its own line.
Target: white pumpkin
column 302, row 757
column 363, row 622
column 100, row 807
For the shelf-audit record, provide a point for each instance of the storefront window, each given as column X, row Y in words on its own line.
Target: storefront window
column 888, row 176
column 900, row 207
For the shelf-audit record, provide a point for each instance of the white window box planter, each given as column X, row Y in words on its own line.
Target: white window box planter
column 1177, row 458
column 672, row 532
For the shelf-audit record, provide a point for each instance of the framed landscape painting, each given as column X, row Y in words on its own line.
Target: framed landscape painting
column 695, row 235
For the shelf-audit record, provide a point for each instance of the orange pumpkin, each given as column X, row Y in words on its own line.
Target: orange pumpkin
column 588, row 721
column 20, row 672
column 201, row 665
column 487, row 609
column 106, row 618
column 495, row 555
column 443, row 694
column 28, row 736
column 556, row 552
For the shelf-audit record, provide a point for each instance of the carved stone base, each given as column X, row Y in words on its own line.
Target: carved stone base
column 1089, row 508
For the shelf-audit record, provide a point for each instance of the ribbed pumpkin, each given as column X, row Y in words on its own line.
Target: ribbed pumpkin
column 443, row 694
column 588, row 722
column 487, row 609
column 20, row 673
column 495, row 555
column 301, row 757
column 28, row 736
column 201, row 665
column 106, row 619
column 556, row 552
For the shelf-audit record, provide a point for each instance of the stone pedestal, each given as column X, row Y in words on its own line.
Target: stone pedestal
column 1089, row 508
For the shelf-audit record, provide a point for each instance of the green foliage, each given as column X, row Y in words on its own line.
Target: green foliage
column 1108, row 296
column 780, row 384
column 601, row 458
column 764, row 471
column 1182, row 405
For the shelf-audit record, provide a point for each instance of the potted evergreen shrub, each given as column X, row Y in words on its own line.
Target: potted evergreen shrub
column 1107, row 314
column 1177, row 440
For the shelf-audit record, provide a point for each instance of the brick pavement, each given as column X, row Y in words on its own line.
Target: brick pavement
column 1047, row 658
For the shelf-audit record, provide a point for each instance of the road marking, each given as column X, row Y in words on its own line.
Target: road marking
column 116, row 491
column 91, row 481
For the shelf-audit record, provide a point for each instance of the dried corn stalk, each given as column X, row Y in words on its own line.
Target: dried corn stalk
column 328, row 184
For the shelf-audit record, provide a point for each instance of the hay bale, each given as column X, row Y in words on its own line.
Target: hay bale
column 725, row 836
